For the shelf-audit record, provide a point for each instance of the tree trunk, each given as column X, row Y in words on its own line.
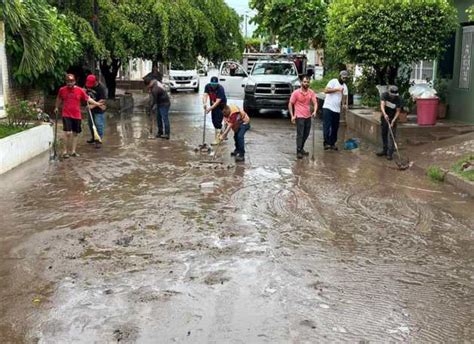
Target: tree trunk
column 392, row 74
column 110, row 75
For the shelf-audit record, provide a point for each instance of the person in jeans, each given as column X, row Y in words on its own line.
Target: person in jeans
column 336, row 91
column 70, row 97
column 390, row 104
column 300, row 112
column 159, row 98
column 96, row 91
column 216, row 94
column 239, row 122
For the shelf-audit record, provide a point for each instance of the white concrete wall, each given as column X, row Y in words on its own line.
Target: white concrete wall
column 18, row 148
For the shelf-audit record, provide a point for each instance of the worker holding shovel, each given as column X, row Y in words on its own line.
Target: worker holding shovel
column 239, row 122
column 390, row 104
column 70, row 97
column 217, row 98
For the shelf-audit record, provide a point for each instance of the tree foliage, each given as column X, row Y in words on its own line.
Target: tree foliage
column 385, row 35
column 297, row 23
column 39, row 41
column 470, row 12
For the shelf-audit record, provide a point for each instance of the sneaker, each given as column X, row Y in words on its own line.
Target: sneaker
column 90, row 141
column 334, row 148
column 166, row 137
column 326, row 147
column 66, row 156
column 304, row 152
column 389, row 157
column 74, row 154
column 158, row 135
column 234, row 153
column 381, row 153
column 239, row 158
column 299, row 155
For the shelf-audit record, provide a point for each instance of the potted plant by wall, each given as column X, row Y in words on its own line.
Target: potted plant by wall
column 442, row 88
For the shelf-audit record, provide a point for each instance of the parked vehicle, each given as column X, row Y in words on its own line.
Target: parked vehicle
column 181, row 78
column 268, row 85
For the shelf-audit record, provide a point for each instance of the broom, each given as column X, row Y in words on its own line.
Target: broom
column 94, row 128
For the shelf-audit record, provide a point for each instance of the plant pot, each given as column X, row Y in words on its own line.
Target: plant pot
column 442, row 109
column 403, row 117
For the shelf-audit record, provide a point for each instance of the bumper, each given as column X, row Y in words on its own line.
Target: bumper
column 183, row 85
column 254, row 102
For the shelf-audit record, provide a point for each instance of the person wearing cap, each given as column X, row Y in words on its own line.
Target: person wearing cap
column 391, row 105
column 301, row 100
column 217, row 99
column 70, row 97
column 336, row 91
column 160, row 100
column 96, row 91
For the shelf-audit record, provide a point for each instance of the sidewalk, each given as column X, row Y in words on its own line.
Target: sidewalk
column 444, row 154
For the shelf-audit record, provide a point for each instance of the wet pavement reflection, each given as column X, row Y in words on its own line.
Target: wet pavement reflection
column 147, row 239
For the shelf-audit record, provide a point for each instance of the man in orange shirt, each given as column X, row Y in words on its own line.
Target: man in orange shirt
column 239, row 122
column 300, row 112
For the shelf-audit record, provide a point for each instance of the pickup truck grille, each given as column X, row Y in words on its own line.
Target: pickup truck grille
column 274, row 88
column 182, row 78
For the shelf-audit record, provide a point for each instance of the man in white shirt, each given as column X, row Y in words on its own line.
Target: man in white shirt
column 336, row 91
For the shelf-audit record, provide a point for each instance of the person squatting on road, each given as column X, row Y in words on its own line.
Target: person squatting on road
column 216, row 94
column 160, row 100
column 301, row 100
column 336, row 91
column 239, row 122
column 96, row 91
column 390, row 104
column 70, row 97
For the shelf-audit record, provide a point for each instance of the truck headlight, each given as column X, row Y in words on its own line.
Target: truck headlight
column 249, row 88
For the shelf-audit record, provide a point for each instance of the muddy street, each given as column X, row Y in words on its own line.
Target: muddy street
column 123, row 244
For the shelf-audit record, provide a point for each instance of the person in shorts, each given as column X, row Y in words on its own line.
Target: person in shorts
column 70, row 97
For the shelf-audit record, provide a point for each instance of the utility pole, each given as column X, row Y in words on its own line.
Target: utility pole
column 246, row 16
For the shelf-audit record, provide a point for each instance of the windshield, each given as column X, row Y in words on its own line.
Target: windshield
column 274, row 68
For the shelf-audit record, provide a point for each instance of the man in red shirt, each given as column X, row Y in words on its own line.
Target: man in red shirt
column 301, row 100
column 70, row 97
column 239, row 122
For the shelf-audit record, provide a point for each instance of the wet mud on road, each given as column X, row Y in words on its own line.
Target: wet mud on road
column 123, row 245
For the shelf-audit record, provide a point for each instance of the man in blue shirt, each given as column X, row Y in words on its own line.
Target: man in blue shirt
column 216, row 95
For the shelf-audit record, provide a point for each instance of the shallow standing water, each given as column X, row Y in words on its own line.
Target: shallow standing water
column 122, row 244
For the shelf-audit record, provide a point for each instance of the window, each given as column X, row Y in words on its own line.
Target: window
column 422, row 71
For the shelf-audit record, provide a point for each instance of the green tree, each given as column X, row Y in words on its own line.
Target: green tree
column 387, row 34
column 470, row 12
column 297, row 23
column 39, row 41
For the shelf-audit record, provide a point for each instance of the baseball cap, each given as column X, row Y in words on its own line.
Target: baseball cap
column 70, row 77
column 343, row 74
column 393, row 90
column 91, row 80
column 214, row 80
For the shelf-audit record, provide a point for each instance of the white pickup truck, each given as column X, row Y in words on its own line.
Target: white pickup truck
column 268, row 85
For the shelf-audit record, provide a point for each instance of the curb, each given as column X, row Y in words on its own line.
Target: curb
column 451, row 178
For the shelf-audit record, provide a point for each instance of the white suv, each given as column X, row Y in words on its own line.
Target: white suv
column 183, row 80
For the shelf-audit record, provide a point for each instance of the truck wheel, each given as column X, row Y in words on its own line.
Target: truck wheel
column 173, row 90
column 196, row 90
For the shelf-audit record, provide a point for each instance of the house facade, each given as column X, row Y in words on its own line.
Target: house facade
column 461, row 92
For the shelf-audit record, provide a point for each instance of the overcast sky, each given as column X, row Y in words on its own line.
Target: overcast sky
column 242, row 7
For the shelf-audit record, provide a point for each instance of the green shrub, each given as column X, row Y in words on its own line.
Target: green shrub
column 457, row 168
column 6, row 130
column 21, row 115
column 435, row 173
column 320, row 85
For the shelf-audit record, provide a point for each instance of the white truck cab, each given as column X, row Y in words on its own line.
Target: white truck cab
column 183, row 79
column 268, row 85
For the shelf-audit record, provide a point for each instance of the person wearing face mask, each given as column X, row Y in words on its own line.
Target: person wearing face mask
column 70, row 97
column 300, row 113
column 390, row 104
column 216, row 95
column 336, row 91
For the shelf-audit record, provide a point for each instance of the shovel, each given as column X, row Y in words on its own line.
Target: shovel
column 402, row 163
column 204, row 147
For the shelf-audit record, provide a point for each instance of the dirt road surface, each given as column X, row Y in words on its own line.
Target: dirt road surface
column 123, row 244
